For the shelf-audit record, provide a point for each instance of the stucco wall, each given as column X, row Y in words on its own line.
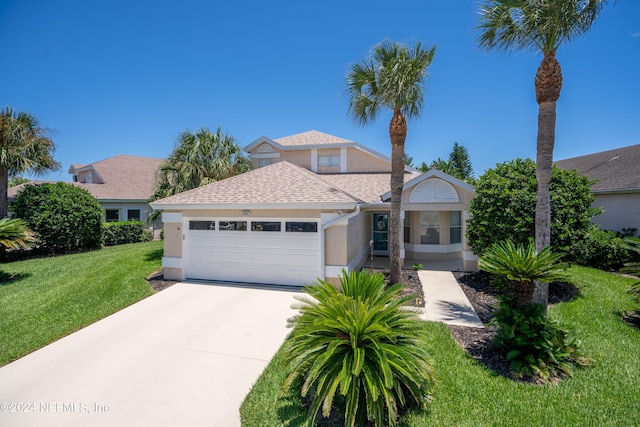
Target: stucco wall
column 360, row 161
column 123, row 207
column 621, row 211
column 335, row 245
column 301, row 158
column 172, row 239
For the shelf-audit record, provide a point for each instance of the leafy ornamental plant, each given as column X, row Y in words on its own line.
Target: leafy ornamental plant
column 357, row 350
column 14, row 234
column 521, row 266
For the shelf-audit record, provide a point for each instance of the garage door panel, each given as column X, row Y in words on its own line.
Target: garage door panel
column 276, row 257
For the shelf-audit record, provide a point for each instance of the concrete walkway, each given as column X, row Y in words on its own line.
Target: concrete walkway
column 186, row 356
column 445, row 301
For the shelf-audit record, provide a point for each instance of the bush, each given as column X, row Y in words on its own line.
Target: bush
column 358, row 351
column 537, row 346
column 64, row 217
column 600, row 249
column 505, row 203
column 121, row 232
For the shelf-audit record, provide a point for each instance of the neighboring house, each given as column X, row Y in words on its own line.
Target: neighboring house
column 316, row 204
column 617, row 185
column 122, row 184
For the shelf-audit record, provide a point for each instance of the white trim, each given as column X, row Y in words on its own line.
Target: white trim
column 433, row 249
column 264, row 155
column 334, row 270
column 469, row 256
column 314, row 160
column 429, row 174
column 343, row 160
column 171, row 262
column 171, row 217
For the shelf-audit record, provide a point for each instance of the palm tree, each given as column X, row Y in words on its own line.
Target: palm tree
column 393, row 79
column 24, row 147
column 542, row 26
column 198, row 159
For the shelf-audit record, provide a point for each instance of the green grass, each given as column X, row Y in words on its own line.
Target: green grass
column 52, row 297
column 467, row 394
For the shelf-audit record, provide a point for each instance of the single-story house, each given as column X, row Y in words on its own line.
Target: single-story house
column 617, row 185
column 122, row 185
column 315, row 204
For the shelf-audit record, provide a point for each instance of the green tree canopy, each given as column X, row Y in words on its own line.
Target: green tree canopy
column 25, row 146
column 392, row 79
column 199, row 158
column 505, row 201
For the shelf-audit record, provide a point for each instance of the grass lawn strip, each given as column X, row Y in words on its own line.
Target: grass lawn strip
column 52, row 297
column 468, row 394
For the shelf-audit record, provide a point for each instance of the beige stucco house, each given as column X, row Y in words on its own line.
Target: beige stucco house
column 122, row 185
column 616, row 176
column 315, row 204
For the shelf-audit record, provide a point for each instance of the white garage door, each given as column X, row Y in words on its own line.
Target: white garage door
column 284, row 252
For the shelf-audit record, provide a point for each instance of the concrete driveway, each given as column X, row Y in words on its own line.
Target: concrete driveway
column 186, row 356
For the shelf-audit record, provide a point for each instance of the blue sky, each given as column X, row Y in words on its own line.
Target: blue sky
column 126, row 77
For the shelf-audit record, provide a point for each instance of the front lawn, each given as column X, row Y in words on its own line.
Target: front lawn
column 51, row 297
column 468, row 394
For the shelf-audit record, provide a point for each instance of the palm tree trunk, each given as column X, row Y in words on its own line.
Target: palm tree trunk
column 548, row 85
column 4, row 197
column 397, row 134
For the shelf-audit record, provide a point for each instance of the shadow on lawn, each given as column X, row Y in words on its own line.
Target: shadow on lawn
column 10, row 279
column 154, row 255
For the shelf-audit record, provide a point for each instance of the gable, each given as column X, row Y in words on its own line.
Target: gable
column 434, row 190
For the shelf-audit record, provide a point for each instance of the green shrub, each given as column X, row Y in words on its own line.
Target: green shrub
column 358, row 351
column 537, row 346
column 122, row 232
column 64, row 217
column 505, row 201
column 600, row 249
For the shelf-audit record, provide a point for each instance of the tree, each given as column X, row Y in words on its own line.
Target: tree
column 505, row 202
column 542, row 26
column 17, row 180
column 198, row 159
column 461, row 163
column 64, row 217
column 392, row 79
column 24, row 147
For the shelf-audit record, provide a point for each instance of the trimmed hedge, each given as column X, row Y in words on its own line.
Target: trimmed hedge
column 121, row 232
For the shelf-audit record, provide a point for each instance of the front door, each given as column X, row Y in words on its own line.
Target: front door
column 380, row 223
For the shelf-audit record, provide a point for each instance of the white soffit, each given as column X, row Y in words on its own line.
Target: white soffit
column 434, row 190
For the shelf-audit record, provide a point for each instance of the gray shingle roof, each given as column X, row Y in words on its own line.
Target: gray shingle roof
column 614, row 170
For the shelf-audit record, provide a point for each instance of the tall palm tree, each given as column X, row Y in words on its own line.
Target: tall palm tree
column 542, row 26
column 24, row 147
column 392, row 79
column 198, row 159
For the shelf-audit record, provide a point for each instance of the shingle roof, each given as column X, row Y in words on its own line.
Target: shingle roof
column 312, row 137
column 614, row 170
column 126, row 178
column 366, row 186
column 279, row 183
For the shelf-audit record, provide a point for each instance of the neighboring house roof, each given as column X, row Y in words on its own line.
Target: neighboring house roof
column 124, row 177
column 613, row 170
column 314, row 139
column 281, row 184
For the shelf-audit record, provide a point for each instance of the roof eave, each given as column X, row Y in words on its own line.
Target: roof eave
column 268, row 206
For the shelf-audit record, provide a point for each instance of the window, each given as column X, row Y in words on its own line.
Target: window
column 325, row 160
column 302, row 227
column 407, row 227
column 133, row 215
column 264, row 162
column 430, row 228
column 111, row 215
column 202, row 225
column 455, row 227
column 265, row 226
column 233, row 225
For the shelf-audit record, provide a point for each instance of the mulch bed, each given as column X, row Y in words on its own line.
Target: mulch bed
column 157, row 282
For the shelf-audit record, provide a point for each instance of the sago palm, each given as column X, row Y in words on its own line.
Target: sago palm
column 542, row 26
column 24, row 147
column 392, row 79
column 522, row 266
column 358, row 350
column 14, row 234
